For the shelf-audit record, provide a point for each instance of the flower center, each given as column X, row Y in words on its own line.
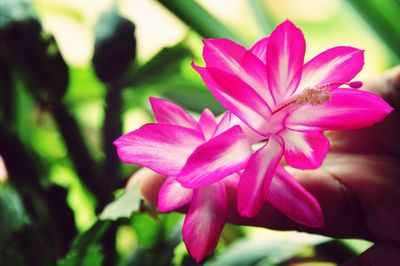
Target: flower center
column 314, row 96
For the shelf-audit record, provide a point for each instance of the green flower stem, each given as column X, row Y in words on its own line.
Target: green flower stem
column 78, row 151
column 112, row 129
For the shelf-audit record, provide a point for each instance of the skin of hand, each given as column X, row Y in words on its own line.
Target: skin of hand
column 358, row 186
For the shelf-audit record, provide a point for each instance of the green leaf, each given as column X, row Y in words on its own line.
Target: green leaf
column 156, row 248
column 199, row 19
column 93, row 256
column 12, row 213
column 193, row 98
column 383, row 17
column 91, row 236
column 165, row 63
column 249, row 251
column 36, row 56
column 85, row 248
column 14, row 10
column 124, row 206
column 262, row 16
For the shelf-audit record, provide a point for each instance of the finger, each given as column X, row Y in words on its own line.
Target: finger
column 149, row 182
column 379, row 254
column 382, row 136
column 341, row 213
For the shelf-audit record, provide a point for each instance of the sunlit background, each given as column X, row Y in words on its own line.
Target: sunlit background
column 169, row 36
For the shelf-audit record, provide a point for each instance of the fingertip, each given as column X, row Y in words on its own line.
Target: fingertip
column 149, row 182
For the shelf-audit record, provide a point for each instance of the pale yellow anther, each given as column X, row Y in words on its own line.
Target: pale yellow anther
column 314, row 96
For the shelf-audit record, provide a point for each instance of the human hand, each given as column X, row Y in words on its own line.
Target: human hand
column 358, row 186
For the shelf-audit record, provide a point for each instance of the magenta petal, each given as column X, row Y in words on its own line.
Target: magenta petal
column 236, row 96
column 252, row 135
column 339, row 64
column 169, row 113
column 234, row 59
column 292, row 199
column 213, row 160
column 173, row 196
column 224, row 122
column 259, row 49
column 205, row 220
column 207, row 123
column 305, row 150
column 232, row 180
column 257, row 175
column 285, row 57
column 160, row 147
column 347, row 109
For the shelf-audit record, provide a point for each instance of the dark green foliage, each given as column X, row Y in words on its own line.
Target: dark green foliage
column 195, row 16
column 115, row 46
column 32, row 52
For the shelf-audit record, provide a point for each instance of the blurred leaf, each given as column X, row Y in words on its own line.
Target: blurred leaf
column 161, row 66
column 84, row 248
column 161, row 252
column 14, row 10
column 91, row 236
column 148, row 230
column 357, row 245
column 12, row 213
column 7, row 92
column 248, row 251
column 124, row 206
column 115, row 46
column 35, row 55
column 93, row 256
column 59, row 8
column 232, row 233
column 193, row 98
column 151, row 232
column 27, row 247
column 84, row 87
column 335, row 250
column 262, row 16
column 383, row 17
column 199, row 19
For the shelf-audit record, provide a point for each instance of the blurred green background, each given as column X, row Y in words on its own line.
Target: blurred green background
column 75, row 75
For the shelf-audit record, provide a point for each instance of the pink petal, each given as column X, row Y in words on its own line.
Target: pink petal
column 292, row 199
column 285, row 56
column 160, row 147
column 305, row 150
column 173, row 196
column 338, row 64
column 169, row 113
column 252, row 135
column 236, row 96
column 257, row 175
column 232, row 180
column 259, row 49
column 205, row 220
column 219, row 157
column 207, row 123
column 347, row 109
column 223, row 124
column 234, row 59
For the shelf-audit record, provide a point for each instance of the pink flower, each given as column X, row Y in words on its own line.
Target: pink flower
column 193, row 154
column 288, row 105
